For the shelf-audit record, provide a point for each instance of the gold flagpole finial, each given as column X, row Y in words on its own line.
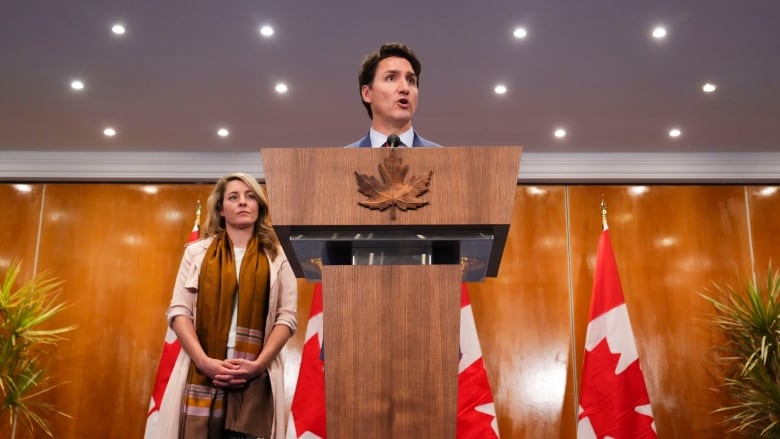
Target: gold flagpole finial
column 604, row 225
column 197, row 213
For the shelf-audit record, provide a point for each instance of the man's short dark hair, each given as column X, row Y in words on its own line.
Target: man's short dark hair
column 388, row 50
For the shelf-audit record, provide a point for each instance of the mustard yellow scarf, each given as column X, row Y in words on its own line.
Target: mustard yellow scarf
column 207, row 410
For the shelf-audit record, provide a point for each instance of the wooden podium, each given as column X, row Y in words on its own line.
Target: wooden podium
column 391, row 277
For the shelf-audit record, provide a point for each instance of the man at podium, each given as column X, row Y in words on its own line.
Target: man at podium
column 389, row 80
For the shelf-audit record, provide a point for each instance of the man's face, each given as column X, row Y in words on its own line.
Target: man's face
column 392, row 95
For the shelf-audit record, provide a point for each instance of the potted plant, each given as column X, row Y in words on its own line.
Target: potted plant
column 24, row 343
column 749, row 358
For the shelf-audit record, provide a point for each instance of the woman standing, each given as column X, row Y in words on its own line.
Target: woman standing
column 233, row 309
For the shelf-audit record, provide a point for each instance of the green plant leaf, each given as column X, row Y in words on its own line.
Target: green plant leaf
column 749, row 358
column 23, row 343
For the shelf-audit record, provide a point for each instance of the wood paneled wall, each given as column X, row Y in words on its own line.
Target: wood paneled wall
column 118, row 246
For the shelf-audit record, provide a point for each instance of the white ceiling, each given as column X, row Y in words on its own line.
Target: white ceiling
column 184, row 68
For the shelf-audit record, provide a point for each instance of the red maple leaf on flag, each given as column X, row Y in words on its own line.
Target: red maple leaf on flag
column 617, row 405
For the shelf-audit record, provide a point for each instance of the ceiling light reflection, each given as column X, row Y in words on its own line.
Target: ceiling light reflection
column 666, row 241
column 768, row 191
column 150, row 189
column 535, row 190
column 543, row 386
column 638, row 190
column 173, row 215
column 549, row 242
column 132, row 240
column 24, row 188
column 57, row 216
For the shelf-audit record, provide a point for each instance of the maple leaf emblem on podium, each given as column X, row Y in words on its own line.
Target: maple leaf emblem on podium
column 393, row 190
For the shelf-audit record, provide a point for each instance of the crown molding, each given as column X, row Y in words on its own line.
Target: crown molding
column 650, row 168
column 55, row 166
column 535, row 168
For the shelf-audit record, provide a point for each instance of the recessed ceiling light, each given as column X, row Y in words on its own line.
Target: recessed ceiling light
column 223, row 132
column 500, row 89
column 520, row 33
column 109, row 132
column 118, row 29
column 675, row 133
column 266, row 30
column 559, row 133
column 281, row 88
column 709, row 87
column 77, row 84
column 659, row 32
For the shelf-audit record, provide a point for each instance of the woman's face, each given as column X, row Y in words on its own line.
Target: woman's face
column 240, row 205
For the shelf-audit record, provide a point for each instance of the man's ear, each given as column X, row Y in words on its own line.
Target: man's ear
column 365, row 92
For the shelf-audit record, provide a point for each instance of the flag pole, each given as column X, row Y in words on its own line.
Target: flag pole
column 195, row 235
column 604, row 225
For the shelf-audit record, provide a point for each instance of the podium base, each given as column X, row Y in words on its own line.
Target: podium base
column 392, row 371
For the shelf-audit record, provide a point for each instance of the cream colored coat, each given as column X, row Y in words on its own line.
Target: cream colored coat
column 282, row 306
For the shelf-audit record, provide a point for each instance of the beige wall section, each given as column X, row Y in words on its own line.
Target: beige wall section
column 117, row 246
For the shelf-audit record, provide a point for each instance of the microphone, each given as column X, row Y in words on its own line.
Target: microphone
column 393, row 140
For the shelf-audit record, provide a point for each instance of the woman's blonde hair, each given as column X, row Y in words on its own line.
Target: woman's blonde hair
column 215, row 223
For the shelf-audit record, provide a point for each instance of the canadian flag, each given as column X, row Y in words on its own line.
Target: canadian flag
column 307, row 411
column 476, row 411
column 613, row 398
column 170, row 353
